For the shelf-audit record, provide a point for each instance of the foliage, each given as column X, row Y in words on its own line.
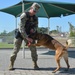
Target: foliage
column 42, row 30
column 54, row 31
column 72, row 30
column 72, row 34
column 3, row 33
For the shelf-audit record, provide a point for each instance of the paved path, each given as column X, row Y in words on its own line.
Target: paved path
column 46, row 63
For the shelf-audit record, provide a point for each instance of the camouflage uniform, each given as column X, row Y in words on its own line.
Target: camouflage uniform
column 27, row 23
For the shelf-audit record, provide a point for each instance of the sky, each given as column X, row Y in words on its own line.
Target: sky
column 7, row 21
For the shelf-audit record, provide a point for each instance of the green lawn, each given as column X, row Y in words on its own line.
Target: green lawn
column 6, row 45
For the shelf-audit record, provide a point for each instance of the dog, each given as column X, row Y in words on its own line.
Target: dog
column 51, row 43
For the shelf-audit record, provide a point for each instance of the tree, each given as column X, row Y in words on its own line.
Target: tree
column 71, row 27
column 42, row 30
column 72, row 34
column 57, row 28
column 54, row 31
column 72, row 30
column 4, row 33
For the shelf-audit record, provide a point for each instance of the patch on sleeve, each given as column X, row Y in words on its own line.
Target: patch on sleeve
column 22, row 15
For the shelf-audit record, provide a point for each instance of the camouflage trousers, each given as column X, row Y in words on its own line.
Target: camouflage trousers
column 17, row 45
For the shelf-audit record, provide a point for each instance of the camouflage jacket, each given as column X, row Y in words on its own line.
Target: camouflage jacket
column 27, row 23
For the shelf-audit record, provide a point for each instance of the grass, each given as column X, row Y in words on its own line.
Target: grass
column 6, row 45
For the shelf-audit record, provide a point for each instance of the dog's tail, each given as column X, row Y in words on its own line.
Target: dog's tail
column 68, row 43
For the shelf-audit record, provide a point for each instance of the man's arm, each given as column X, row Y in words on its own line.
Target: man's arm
column 22, row 25
column 23, row 19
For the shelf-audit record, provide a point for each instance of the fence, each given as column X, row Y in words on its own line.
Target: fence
column 7, row 41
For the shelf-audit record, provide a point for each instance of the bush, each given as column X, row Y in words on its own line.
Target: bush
column 72, row 34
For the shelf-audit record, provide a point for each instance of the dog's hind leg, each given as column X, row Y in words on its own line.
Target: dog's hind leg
column 57, row 58
column 65, row 56
column 58, row 64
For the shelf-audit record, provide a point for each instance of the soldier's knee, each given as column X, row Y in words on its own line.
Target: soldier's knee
column 13, row 57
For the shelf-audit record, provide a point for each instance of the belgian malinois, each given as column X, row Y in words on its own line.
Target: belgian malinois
column 51, row 43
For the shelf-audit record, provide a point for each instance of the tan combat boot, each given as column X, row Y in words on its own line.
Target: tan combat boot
column 11, row 65
column 35, row 65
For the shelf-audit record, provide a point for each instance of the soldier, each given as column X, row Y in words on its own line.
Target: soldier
column 28, row 25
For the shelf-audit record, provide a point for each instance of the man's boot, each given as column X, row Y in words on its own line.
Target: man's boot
column 35, row 65
column 11, row 65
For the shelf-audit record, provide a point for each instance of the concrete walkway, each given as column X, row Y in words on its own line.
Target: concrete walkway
column 46, row 63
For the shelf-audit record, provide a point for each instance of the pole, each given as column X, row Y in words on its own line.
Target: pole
column 23, row 43
column 48, row 25
column 22, row 6
column 16, row 22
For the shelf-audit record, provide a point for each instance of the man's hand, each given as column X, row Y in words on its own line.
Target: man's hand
column 29, row 41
